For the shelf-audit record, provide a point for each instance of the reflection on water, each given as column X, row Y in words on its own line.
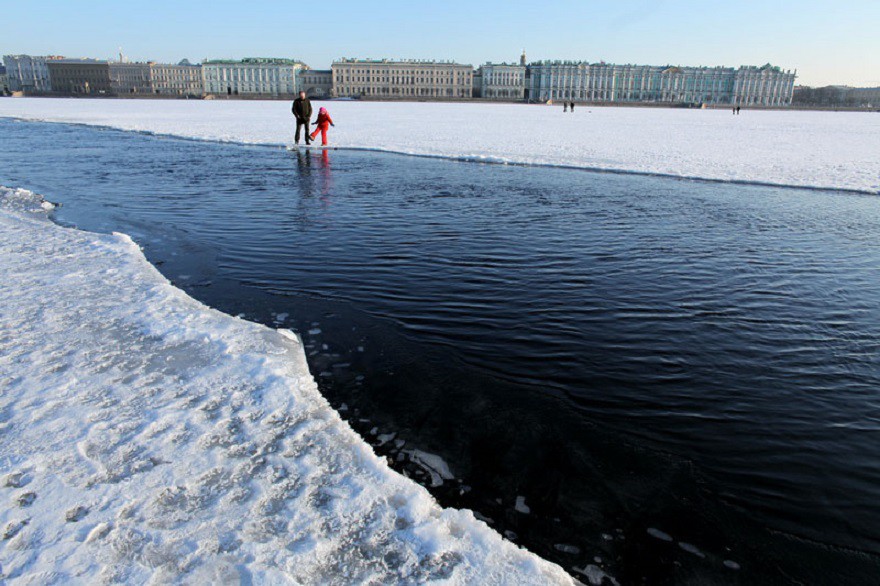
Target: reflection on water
column 625, row 358
column 312, row 183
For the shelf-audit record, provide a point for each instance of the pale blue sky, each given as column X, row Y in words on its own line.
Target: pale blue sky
column 827, row 41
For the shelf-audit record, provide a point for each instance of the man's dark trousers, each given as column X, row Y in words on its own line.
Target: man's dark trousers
column 300, row 123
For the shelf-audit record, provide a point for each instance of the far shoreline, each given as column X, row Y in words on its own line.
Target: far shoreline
column 286, row 98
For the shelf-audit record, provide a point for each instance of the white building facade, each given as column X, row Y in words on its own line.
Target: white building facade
column 388, row 79
column 502, row 81
column 266, row 77
column 182, row 79
column 602, row 82
column 763, row 86
column 28, row 74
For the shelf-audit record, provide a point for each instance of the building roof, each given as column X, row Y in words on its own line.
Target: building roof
column 253, row 61
column 767, row 68
column 399, row 62
column 81, row 61
column 47, row 57
column 188, row 65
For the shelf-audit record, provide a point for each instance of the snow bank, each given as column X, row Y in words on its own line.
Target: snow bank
column 811, row 149
column 148, row 438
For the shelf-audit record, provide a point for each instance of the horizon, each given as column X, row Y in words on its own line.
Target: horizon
column 824, row 45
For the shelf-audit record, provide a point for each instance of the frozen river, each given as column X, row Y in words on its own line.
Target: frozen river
column 812, row 149
column 674, row 377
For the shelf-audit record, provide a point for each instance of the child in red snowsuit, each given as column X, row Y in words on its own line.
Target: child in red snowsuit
column 323, row 123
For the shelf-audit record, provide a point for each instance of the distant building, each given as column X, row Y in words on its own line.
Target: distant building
column 252, row 76
column 130, row 78
column 503, row 81
column 763, row 86
column 316, row 83
column 183, row 79
column 602, row 82
column 151, row 78
column 4, row 82
column 386, row 79
column 80, row 76
column 28, row 74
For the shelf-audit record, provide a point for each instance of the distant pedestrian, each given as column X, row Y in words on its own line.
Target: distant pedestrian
column 323, row 123
column 737, row 110
column 734, row 110
column 572, row 106
column 302, row 111
column 565, row 106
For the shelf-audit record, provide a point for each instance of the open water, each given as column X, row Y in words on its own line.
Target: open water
column 677, row 381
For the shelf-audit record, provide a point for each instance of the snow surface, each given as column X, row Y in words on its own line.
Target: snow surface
column 147, row 438
column 836, row 150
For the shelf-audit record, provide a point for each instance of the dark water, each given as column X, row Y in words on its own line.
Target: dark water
column 627, row 353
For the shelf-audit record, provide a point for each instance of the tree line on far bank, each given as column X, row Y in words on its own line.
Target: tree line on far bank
column 836, row 96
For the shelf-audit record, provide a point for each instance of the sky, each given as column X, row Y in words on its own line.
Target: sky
column 828, row 42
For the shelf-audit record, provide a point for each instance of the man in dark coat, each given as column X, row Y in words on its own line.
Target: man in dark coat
column 302, row 111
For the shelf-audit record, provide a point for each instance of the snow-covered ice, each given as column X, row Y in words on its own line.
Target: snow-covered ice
column 147, row 438
column 811, row 149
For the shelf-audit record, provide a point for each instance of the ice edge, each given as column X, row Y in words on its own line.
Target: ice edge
column 467, row 158
column 473, row 551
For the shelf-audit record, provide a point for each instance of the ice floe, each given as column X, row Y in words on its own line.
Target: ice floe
column 658, row 534
column 521, row 505
column 433, row 464
column 596, row 576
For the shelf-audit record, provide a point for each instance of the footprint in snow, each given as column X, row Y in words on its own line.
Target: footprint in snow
column 15, row 480
column 26, row 499
column 14, row 527
column 76, row 513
